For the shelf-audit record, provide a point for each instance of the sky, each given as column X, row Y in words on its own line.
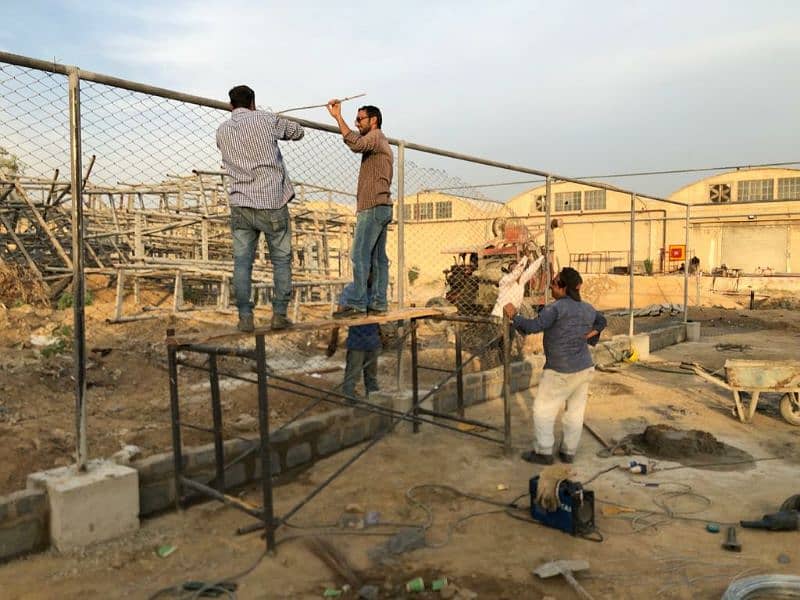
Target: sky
column 573, row 87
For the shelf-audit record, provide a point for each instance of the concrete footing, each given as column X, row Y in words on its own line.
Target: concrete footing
column 693, row 332
column 95, row 506
column 641, row 343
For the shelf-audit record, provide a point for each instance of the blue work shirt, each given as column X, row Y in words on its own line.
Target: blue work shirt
column 565, row 324
column 360, row 337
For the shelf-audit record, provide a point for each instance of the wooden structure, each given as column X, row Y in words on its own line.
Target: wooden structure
column 174, row 234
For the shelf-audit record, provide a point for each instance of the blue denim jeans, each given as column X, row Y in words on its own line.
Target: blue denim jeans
column 369, row 254
column 246, row 224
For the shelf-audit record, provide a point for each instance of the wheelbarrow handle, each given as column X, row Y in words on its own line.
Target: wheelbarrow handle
column 701, row 372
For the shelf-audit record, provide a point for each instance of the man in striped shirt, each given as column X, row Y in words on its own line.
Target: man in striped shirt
column 373, row 209
column 260, row 190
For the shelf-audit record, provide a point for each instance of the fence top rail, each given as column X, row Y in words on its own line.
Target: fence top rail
column 54, row 67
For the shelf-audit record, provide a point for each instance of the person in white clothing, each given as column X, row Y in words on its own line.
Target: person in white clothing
column 512, row 284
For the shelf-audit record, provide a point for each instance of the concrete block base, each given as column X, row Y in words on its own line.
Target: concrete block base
column 641, row 343
column 98, row 505
column 693, row 331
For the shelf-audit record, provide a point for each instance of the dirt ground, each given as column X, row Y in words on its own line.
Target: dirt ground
column 662, row 549
column 128, row 395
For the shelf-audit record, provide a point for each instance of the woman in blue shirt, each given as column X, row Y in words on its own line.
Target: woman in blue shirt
column 570, row 326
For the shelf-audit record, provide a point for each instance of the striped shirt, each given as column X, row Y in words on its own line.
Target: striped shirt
column 248, row 142
column 375, row 175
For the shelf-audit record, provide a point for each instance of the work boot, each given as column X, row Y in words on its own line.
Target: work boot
column 535, row 457
column 280, row 322
column 566, row 458
column 349, row 311
column 246, row 323
column 377, row 310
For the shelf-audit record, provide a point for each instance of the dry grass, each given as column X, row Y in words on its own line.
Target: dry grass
column 20, row 285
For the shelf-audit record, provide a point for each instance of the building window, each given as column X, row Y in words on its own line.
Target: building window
column 540, row 203
column 423, row 211
column 719, row 192
column 568, row 201
column 407, row 212
column 444, row 210
column 755, row 190
column 594, row 200
column 789, row 188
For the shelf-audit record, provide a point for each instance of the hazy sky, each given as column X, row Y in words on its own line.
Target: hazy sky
column 575, row 87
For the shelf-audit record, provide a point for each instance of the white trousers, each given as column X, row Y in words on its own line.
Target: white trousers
column 558, row 391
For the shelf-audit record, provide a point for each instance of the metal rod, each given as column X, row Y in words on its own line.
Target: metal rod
column 224, row 498
column 686, row 270
column 363, row 451
column 506, row 385
column 459, row 373
column 414, row 374
column 78, row 281
column 177, row 454
column 333, row 476
column 440, row 415
column 359, row 405
column 437, row 369
column 284, row 111
column 54, row 67
column 263, row 423
column 519, row 169
column 216, row 412
column 630, row 264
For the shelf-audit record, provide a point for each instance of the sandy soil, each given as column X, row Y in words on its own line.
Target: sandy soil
column 128, row 395
column 477, row 546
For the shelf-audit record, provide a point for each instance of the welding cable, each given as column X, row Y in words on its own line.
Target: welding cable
column 410, row 496
column 633, row 360
column 508, row 508
column 596, row 475
column 761, row 586
column 191, row 590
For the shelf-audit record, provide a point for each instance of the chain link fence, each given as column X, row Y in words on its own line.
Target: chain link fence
column 157, row 241
column 158, row 247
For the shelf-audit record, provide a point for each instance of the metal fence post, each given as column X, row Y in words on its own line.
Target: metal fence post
column 401, row 258
column 686, row 271
column 548, row 196
column 630, row 264
column 401, row 221
column 78, row 283
column 506, row 385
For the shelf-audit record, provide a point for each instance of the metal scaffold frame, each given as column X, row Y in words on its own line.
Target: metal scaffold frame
column 266, row 379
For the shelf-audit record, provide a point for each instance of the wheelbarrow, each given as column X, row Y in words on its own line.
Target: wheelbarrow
column 756, row 376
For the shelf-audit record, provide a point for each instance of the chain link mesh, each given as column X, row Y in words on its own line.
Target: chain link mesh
column 158, row 243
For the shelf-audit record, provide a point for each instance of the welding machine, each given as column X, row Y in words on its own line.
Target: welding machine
column 575, row 512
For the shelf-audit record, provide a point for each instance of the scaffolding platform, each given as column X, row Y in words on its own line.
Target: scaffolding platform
column 229, row 333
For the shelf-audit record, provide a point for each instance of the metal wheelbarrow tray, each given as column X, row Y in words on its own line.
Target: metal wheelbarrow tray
column 756, row 376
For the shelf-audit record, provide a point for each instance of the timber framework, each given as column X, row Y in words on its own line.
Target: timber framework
column 173, row 234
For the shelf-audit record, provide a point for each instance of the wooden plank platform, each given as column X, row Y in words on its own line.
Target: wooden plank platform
column 231, row 333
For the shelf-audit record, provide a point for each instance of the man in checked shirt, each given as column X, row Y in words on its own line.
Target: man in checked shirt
column 373, row 209
column 260, row 190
